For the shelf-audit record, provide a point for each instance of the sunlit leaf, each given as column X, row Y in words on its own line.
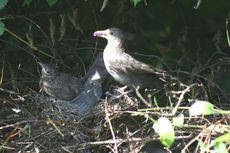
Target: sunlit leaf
column 202, row 145
column 105, row 3
column 16, row 110
column 223, row 138
column 135, row 2
column 3, row 3
column 165, row 130
column 221, row 148
column 51, row 2
column 178, row 121
column 201, row 108
column 2, row 28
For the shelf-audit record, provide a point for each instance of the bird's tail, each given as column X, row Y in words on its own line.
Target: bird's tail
column 88, row 98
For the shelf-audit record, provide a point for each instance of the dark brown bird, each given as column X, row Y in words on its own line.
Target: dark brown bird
column 124, row 68
column 57, row 84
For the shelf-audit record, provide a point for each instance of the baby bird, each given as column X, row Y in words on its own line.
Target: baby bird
column 57, row 84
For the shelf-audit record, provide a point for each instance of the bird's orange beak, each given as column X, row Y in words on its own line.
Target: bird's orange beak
column 100, row 33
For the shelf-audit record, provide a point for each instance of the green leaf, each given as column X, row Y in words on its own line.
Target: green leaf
column 51, row 2
column 201, row 108
column 3, row 3
column 222, row 138
column 105, row 3
column 178, row 121
column 165, row 130
column 221, row 148
column 203, row 146
column 135, row 2
column 2, row 28
column 27, row 2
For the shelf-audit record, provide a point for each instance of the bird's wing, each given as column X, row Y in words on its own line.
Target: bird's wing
column 130, row 65
column 67, row 80
column 61, row 92
column 92, row 92
column 87, row 99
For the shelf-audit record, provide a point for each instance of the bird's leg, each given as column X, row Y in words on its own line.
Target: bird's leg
column 121, row 92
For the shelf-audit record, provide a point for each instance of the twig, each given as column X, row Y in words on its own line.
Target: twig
column 188, row 144
column 110, row 124
column 120, row 140
column 18, row 123
column 142, row 98
column 8, row 91
column 2, row 70
column 54, row 125
column 182, row 97
column 133, row 139
column 227, row 32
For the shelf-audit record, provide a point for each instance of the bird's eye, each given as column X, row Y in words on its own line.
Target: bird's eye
column 111, row 33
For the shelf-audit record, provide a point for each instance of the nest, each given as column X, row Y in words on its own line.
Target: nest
column 124, row 124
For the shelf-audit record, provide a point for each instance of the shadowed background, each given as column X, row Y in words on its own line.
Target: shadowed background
column 176, row 35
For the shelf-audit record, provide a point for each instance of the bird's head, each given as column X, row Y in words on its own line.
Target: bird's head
column 113, row 35
column 48, row 69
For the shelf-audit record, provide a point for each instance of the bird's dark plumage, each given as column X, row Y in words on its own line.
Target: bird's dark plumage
column 124, row 68
column 92, row 92
column 57, row 84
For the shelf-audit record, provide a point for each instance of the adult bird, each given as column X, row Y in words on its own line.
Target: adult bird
column 124, row 68
column 57, row 84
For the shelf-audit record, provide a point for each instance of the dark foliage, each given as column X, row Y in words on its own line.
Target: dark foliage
column 181, row 36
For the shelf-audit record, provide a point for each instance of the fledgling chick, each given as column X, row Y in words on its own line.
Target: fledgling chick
column 59, row 85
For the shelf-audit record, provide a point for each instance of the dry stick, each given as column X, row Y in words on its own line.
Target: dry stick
column 120, row 141
column 56, row 127
column 8, row 91
column 142, row 141
column 142, row 98
column 18, row 123
column 134, row 139
column 2, row 71
column 191, row 142
column 182, row 97
column 110, row 124
column 227, row 32
column 65, row 149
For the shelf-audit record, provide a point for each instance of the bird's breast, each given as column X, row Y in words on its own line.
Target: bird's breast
column 110, row 61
